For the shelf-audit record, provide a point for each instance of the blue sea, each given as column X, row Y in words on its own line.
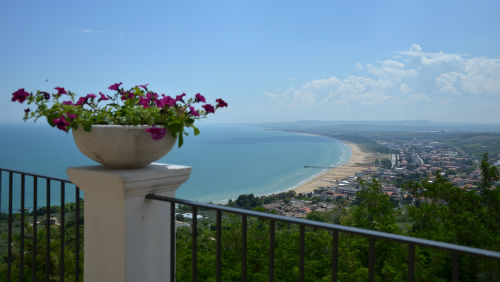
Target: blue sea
column 226, row 160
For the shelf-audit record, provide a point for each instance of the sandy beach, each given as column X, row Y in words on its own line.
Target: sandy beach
column 359, row 161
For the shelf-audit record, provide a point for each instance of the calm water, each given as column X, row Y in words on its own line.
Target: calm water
column 226, row 160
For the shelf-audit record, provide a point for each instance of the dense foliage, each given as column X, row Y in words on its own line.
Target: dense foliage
column 440, row 211
column 436, row 210
column 54, row 250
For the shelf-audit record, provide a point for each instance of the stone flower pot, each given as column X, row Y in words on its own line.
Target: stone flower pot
column 122, row 146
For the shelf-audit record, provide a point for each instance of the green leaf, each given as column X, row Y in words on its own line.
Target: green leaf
column 87, row 127
column 181, row 140
column 196, row 131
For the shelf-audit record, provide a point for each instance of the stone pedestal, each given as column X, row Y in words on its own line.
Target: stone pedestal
column 127, row 238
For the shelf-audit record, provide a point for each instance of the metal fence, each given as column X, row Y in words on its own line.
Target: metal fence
column 36, row 249
column 35, row 218
column 335, row 229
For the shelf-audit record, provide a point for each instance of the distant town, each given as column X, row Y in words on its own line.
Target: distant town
column 406, row 159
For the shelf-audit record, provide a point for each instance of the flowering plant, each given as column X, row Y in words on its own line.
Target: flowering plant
column 136, row 106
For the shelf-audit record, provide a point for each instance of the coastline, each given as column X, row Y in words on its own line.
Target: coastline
column 359, row 161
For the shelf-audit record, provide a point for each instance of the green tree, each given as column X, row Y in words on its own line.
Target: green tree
column 386, row 163
column 54, row 265
column 455, row 215
column 41, row 252
column 316, row 216
column 489, row 173
column 375, row 210
column 247, row 201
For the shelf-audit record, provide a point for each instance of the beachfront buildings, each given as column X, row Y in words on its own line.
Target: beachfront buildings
column 411, row 161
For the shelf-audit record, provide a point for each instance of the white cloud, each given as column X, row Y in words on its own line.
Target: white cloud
column 415, row 48
column 405, row 88
column 481, row 76
column 84, row 30
column 447, row 81
column 390, row 69
column 403, row 79
column 322, row 92
column 428, row 58
column 476, row 76
column 438, row 58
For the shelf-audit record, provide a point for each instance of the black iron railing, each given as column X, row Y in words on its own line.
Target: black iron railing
column 372, row 236
column 30, row 249
column 30, row 252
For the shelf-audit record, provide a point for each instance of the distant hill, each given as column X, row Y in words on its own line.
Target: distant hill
column 394, row 126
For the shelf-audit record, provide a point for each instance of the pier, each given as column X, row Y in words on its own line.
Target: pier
column 318, row 166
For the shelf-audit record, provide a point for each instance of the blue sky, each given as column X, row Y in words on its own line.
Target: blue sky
column 270, row 60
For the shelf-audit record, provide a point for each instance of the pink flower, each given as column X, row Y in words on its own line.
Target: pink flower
column 199, row 98
column 67, row 103
column 71, row 116
column 144, row 102
column 145, row 86
column 45, row 95
column 27, row 110
column 159, row 103
column 127, row 95
column 20, row 95
column 61, row 123
column 115, row 86
column 157, row 133
column 103, row 97
column 179, row 98
column 221, row 103
column 166, row 101
column 81, row 101
column 91, row 96
column 152, row 95
column 193, row 111
column 209, row 108
column 60, row 91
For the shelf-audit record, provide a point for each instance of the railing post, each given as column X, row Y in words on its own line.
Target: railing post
column 127, row 238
